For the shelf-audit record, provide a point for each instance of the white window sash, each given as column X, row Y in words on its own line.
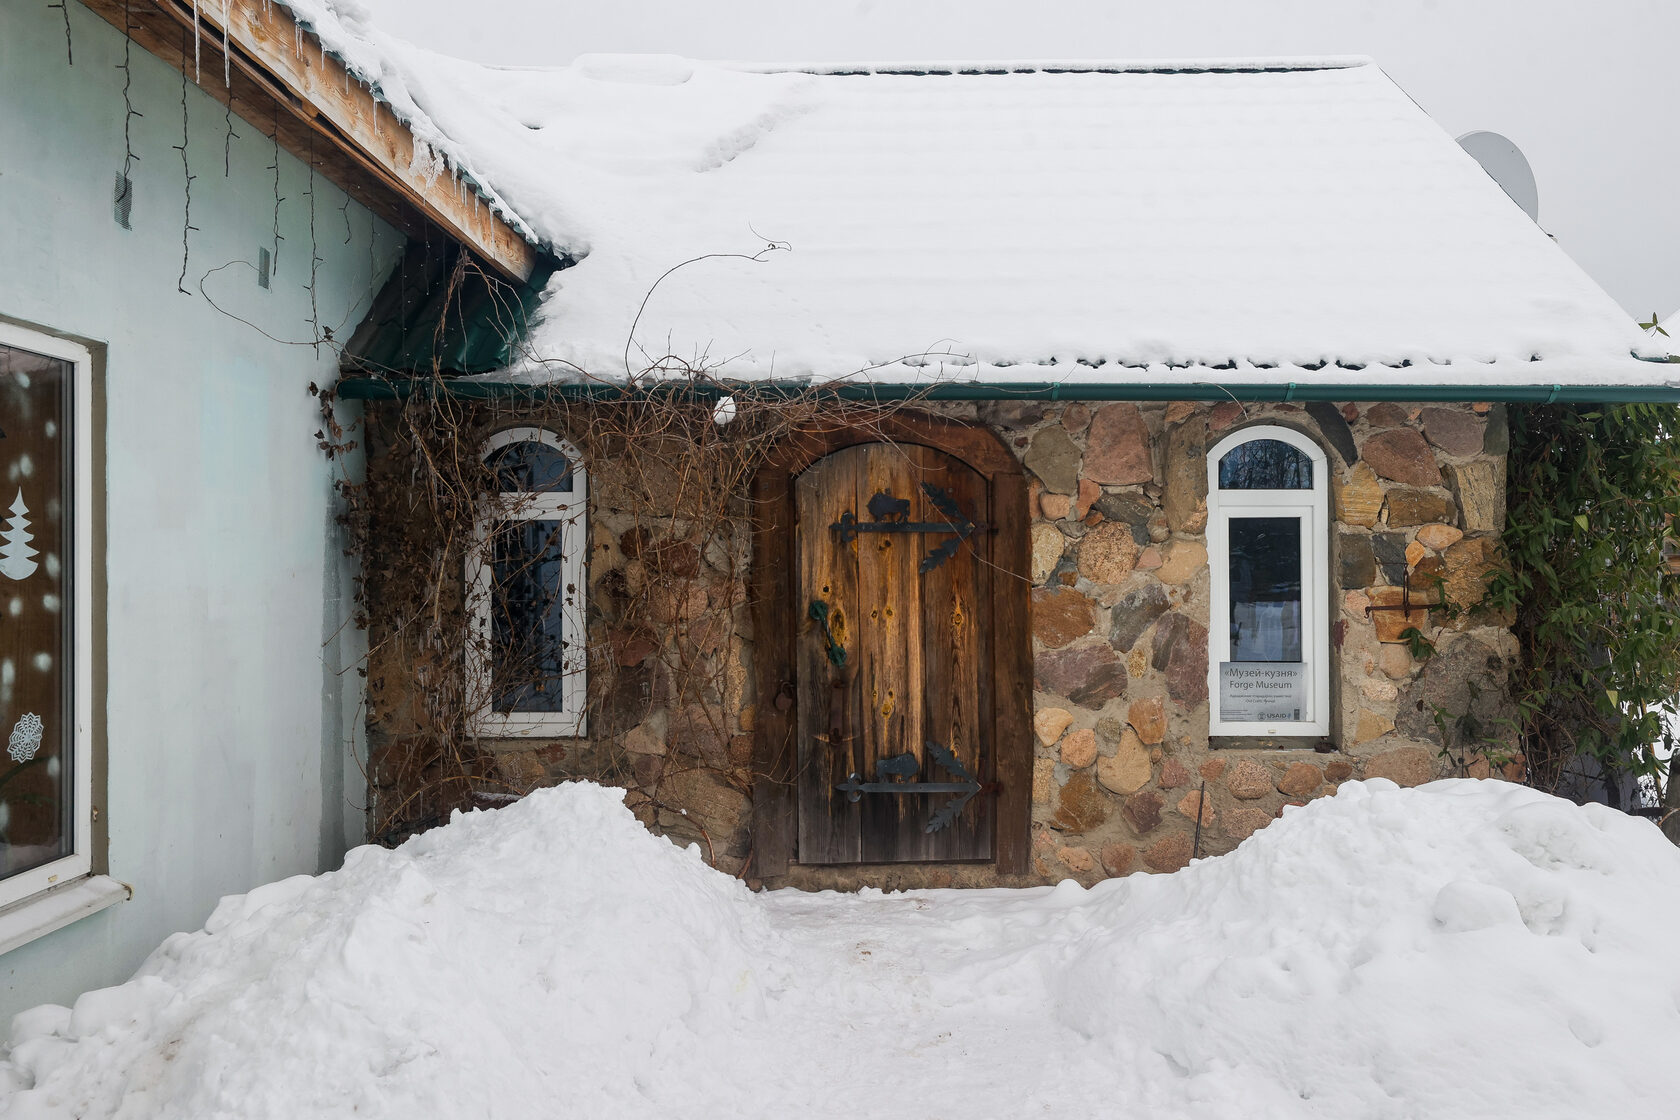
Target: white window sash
column 570, row 509
column 19, row 888
column 1312, row 508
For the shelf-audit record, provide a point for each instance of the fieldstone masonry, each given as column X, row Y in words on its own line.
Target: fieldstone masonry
column 1422, row 503
column 1124, row 772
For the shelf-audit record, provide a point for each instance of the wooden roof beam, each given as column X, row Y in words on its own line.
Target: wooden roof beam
column 313, row 108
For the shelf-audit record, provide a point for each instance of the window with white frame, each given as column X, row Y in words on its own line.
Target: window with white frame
column 46, row 774
column 527, row 658
column 1269, row 553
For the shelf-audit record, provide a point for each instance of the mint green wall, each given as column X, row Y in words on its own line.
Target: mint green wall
column 227, row 716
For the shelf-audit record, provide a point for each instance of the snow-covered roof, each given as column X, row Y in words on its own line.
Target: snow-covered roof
column 1239, row 223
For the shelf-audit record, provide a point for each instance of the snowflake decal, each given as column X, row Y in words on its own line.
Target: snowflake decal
column 26, row 738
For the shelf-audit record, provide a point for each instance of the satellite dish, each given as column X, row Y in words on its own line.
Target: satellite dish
column 1505, row 165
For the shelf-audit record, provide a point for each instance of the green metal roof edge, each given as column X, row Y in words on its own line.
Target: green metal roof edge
column 388, row 389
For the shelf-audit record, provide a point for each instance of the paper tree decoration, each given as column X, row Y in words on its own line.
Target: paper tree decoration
column 17, row 559
column 26, row 738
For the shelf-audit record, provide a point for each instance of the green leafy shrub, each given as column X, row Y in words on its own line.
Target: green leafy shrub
column 1593, row 493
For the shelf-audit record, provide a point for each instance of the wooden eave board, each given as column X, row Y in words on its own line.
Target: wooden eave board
column 306, row 101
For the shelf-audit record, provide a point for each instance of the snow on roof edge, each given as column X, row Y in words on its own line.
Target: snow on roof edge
column 986, row 67
column 1448, row 380
column 369, row 62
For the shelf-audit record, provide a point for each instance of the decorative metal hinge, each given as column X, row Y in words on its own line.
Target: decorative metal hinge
column 890, row 516
column 901, row 766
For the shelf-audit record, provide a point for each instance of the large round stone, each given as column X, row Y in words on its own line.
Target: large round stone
column 1455, row 432
column 1133, row 615
column 1128, row 769
column 1148, row 717
column 1299, row 779
column 1117, row 447
column 1049, row 723
column 1186, row 559
column 1107, row 554
column 1143, row 810
column 1054, row 458
column 1170, row 853
column 1059, row 615
column 1402, row 455
column 1408, row 506
column 1082, row 807
column 1089, row 676
column 1248, row 780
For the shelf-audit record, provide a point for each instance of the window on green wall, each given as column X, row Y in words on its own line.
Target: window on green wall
column 46, row 779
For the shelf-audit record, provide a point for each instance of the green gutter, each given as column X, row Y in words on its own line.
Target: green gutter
column 389, row 389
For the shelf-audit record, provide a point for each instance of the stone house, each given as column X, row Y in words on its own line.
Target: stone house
column 1187, row 516
column 1137, row 419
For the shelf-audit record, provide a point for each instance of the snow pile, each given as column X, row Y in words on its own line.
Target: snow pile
column 1464, row 949
column 552, row 952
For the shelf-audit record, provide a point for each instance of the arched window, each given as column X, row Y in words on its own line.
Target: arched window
column 526, row 661
column 1269, row 552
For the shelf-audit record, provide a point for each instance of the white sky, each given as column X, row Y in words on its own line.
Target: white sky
column 1589, row 89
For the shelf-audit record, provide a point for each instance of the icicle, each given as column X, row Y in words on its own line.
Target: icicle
column 227, row 55
column 198, row 72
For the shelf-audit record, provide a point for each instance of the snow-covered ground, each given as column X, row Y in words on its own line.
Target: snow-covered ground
column 1460, row 950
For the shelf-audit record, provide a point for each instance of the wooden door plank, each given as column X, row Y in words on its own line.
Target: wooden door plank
column 774, row 806
column 958, row 673
column 1011, row 656
column 828, row 705
column 889, row 647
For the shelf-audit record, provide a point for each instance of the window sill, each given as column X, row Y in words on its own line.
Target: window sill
column 1318, row 744
column 41, row 914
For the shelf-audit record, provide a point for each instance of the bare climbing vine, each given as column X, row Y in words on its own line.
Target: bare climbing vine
column 670, row 451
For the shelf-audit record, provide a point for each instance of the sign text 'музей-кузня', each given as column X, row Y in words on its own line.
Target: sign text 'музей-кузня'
column 1258, row 691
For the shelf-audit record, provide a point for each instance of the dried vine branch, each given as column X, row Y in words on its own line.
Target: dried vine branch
column 669, row 700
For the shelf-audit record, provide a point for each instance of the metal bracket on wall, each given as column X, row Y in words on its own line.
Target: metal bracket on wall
column 1405, row 603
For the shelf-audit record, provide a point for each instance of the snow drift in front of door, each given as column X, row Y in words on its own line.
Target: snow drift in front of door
column 1461, row 949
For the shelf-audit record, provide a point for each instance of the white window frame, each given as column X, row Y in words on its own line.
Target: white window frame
column 20, row 890
column 571, row 509
column 1313, row 508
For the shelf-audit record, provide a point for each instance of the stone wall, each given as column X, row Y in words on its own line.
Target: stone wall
column 1123, row 765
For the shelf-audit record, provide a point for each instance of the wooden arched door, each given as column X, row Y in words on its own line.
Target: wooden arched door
column 895, row 758
column 894, row 662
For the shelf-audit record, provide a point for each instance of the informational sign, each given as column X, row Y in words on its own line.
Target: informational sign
column 1263, row 691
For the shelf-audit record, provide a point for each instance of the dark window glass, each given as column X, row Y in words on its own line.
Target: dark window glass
column 37, row 813
column 532, row 467
column 1265, row 588
column 1265, row 464
column 527, row 617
